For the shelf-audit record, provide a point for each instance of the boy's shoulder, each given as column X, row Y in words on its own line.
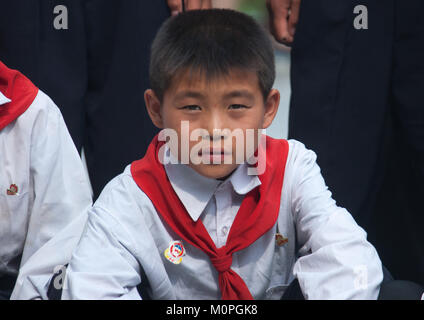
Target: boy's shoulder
column 121, row 192
column 297, row 151
column 21, row 100
column 124, row 208
column 41, row 108
column 298, row 148
column 120, row 185
column 300, row 160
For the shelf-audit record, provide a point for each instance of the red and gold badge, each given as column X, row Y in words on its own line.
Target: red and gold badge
column 280, row 239
column 175, row 252
column 13, row 190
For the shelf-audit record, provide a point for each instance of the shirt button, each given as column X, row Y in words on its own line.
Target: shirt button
column 224, row 230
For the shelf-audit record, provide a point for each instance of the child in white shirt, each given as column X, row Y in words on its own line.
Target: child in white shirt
column 43, row 186
column 240, row 229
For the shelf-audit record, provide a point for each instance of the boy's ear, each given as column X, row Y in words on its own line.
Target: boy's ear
column 271, row 107
column 153, row 108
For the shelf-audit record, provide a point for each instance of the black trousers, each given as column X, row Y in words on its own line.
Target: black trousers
column 357, row 101
column 96, row 71
column 393, row 290
column 7, row 283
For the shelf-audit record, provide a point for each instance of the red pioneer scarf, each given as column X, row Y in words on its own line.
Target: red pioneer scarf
column 256, row 215
column 17, row 88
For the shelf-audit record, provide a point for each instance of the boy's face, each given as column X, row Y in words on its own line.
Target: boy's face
column 233, row 102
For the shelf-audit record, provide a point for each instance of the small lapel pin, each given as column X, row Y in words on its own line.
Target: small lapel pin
column 13, row 190
column 280, row 239
column 175, row 252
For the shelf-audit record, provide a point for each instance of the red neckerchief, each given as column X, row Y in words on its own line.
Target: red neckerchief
column 257, row 214
column 17, row 88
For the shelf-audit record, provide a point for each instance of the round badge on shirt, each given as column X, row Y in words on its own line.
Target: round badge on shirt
column 175, row 252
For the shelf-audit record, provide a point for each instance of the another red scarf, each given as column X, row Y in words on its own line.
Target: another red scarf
column 257, row 214
column 17, row 88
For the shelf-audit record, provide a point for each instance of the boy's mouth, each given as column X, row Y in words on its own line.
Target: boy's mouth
column 214, row 155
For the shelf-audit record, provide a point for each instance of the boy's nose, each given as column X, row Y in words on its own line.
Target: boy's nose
column 214, row 122
column 215, row 126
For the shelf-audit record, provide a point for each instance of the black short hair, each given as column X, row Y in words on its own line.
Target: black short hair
column 211, row 41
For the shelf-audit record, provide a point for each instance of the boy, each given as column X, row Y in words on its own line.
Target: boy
column 42, row 181
column 215, row 211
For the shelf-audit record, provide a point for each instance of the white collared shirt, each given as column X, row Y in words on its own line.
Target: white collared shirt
column 38, row 157
column 124, row 241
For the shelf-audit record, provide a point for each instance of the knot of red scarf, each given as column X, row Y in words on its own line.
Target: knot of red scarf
column 257, row 214
column 222, row 263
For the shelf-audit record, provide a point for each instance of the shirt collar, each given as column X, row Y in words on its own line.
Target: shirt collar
column 3, row 99
column 195, row 190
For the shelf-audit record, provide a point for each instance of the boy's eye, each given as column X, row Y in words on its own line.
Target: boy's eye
column 237, row 106
column 191, row 107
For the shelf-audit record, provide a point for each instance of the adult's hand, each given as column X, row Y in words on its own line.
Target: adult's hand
column 284, row 15
column 177, row 7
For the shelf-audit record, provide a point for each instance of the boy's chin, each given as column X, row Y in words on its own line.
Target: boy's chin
column 214, row 171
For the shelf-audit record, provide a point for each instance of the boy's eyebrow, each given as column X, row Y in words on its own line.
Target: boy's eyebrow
column 189, row 94
column 240, row 94
column 229, row 95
